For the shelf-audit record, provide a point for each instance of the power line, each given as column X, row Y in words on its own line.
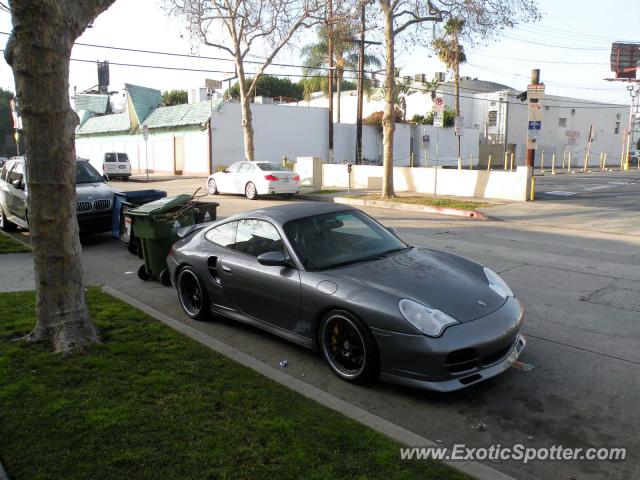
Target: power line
column 551, row 45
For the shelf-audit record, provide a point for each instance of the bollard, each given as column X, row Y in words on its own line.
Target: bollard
column 586, row 161
column 471, row 162
column 459, row 163
column 569, row 163
column 542, row 162
column 489, row 164
column 511, row 167
column 506, row 156
column 284, row 160
column 564, row 156
column 532, row 195
column 413, row 159
column 553, row 164
column 604, row 161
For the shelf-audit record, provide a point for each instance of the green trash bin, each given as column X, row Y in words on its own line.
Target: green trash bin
column 156, row 224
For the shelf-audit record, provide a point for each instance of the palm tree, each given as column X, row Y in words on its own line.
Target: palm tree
column 451, row 53
column 345, row 58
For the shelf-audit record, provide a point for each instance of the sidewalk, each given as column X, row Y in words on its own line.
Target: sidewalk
column 17, row 274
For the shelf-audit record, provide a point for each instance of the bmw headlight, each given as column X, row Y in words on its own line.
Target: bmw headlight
column 428, row 320
column 497, row 284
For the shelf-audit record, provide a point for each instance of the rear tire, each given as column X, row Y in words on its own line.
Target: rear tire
column 348, row 347
column 212, row 187
column 5, row 224
column 192, row 294
column 250, row 191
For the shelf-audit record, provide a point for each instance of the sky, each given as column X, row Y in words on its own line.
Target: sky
column 570, row 45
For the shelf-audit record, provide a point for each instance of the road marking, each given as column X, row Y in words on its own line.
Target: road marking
column 618, row 182
column 560, row 193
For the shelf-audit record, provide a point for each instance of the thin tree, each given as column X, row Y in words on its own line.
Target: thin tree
column 38, row 51
column 403, row 17
column 238, row 27
column 345, row 57
column 451, row 53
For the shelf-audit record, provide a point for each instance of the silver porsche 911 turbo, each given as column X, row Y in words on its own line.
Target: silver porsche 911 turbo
column 331, row 278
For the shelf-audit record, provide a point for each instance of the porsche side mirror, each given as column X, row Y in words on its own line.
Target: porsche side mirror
column 392, row 230
column 18, row 184
column 273, row 259
column 105, row 177
column 225, row 171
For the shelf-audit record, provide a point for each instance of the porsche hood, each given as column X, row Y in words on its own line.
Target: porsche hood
column 450, row 283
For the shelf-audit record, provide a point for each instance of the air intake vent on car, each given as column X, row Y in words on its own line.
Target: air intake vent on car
column 102, row 204
column 84, row 207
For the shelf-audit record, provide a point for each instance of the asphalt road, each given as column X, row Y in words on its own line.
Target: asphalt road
column 579, row 280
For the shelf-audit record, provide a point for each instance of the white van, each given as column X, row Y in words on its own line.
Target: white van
column 116, row 165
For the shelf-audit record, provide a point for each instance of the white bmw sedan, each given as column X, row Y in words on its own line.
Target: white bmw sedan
column 253, row 179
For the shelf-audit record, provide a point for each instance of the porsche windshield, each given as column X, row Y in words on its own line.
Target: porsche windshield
column 340, row 238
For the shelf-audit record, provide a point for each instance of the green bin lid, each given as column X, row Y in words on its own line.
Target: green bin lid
column 159, row 206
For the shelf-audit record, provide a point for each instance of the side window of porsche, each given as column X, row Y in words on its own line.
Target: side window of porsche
column 223, row 235
column 256, row 237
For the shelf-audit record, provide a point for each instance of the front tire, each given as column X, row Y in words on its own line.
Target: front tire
column 348, row 347
column 212, row 187
column 192, row 294
column 5, row 224
column 250, row 191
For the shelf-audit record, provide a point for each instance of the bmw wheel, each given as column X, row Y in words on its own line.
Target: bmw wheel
column 192, row 294
column 212, row 187
column 348, row 347
column 5, row 224
column 250, row 191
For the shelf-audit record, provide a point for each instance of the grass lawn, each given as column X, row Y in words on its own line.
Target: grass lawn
column 430, row 201
column 321, row 192
column 9, row 245
column 152, row 403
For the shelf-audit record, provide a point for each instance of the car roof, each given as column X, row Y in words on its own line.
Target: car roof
column 293, row 211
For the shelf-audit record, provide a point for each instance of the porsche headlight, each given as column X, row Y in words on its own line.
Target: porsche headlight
column 497, row 284
column 428, row 320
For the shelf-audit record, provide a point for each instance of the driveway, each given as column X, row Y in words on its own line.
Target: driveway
column 579, row 385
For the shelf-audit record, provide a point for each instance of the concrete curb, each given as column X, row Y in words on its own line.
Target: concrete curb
column 23, row 242
column 475, row 214
column 3, row 473
column 385, row 427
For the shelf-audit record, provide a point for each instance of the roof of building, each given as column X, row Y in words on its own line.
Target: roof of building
column 92, row 103
column 143, row 99
column 179, row 115
column 118, row 122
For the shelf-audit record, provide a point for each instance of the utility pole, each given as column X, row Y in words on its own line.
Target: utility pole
column 634, row 91
column 329, row 21
column 360, row 84
column 531, row 152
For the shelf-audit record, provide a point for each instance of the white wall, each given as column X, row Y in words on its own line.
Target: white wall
column 278, row 130
column 442, row 148
column 465, row 183
column 160, row 151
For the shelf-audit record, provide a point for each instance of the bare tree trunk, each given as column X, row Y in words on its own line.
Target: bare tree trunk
column 247, row 119
column 388, row 119
column 38, row 51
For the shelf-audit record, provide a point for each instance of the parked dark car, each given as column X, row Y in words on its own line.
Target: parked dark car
column 94, row 197
column 330, row 277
